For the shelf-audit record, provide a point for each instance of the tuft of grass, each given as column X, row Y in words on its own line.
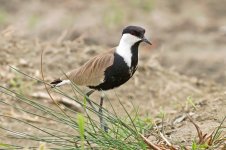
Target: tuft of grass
column 161, row 114
column 124, row 132
column 209, row 141
column 190, row 101
column 81, row 127
column 196, row 146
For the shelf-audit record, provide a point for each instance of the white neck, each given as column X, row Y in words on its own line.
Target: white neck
column 124, row 47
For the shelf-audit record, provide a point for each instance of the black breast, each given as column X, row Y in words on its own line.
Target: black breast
column 119, row 72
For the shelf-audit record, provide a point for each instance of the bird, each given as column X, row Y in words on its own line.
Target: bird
column 110, row 69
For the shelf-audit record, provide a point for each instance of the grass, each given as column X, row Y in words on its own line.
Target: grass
column 125, row 132
column 17, row 83
column 190, row 102
column 196, row 146
column 209, row 141
column 81, row 125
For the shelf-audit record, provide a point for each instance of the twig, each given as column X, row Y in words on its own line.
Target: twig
column 197, row 128
column 149, row 144
column 167, row 142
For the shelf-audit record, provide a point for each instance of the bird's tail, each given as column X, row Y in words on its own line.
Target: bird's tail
column 59, row 82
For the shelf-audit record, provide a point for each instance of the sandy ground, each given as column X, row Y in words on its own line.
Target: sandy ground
column 188, row 56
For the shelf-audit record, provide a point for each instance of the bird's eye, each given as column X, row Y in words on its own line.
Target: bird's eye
column 133, row 32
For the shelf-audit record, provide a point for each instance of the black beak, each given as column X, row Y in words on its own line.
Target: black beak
column 146, row 41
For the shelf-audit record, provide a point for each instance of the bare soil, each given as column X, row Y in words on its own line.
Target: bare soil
column 187, row 59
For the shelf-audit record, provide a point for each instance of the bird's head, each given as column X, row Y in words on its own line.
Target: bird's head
column 134, row 34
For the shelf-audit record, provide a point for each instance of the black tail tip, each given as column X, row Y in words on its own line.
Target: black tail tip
column 55, row 82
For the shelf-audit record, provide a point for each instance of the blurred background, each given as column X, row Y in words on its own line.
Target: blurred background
column 187, row 58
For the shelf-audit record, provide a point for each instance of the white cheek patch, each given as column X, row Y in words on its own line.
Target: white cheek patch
column 124, row 48
column 130, row 39
column 126, row 54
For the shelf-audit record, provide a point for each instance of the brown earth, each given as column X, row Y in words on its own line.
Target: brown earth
column 187, row 59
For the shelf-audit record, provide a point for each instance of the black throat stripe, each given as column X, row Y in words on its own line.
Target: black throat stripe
column 119, row 73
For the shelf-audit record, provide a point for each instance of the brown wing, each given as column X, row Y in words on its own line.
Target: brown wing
column 92, row 72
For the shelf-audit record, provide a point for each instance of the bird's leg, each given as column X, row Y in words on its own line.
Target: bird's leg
column 90, row 92
column 103, row 124
column 88, row 100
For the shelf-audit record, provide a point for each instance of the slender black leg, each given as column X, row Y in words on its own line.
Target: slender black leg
column 90, row 92
column 103, row 124
column 88, row 100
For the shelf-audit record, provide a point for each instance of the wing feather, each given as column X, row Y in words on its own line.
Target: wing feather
column 92, row 72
